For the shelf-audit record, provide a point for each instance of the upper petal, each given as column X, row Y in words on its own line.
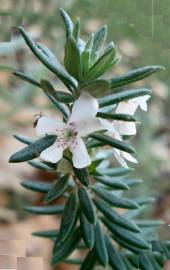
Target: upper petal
column 84, row 107
column 143, row 102
column 80, row 157
column 91, row 125
column 47, row 125
column 120, row 159
column 129, row 157
column 53, row 153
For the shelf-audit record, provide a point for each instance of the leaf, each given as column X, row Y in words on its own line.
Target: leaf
column 24, row 139
column 82, row 175
column 26, row 78
column 144, row 201
column 66, row 247
column 33, row 150
column 69, row 217
column 57, row 189
column 41, row 166
column 116, row 218
column 115, row 259
column 36, row 186
column 76, row 30
column 144, row 262
column 107, row 140
column 68, row 22
column 87, row 205
column 133, row 182
column 59, row 96
column 103, row 64
column 114, row 172
column 89, row 261
column 116, row 116
column 149, row 223
column 51, row 94
column 52, row 64
column 87, row 231
column 125, row 235
column 134, row 76
column 98, row 42
column 116, row 184
column 100, row 245
column 96, row 88
column 115, row 200
column 72, row 59
column 45, row 210
column 46, row 234
column 85, row 60
column 122, row 96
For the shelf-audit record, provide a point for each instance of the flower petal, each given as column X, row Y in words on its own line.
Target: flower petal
column 120, row 159
column 91, row 125
column 81, row 157
column 85, row 107
column 129, row 157
column 143, row 102
column 125, row 128
column 127, row 107
column 47, row 125
column 53, row 153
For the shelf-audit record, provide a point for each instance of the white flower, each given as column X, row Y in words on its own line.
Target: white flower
column 69, row 135
column 120, row 155
column 130, row 107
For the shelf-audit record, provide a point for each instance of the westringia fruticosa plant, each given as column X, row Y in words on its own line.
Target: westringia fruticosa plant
column 79, row 145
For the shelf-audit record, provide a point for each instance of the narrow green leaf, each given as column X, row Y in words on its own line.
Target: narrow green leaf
column 133, row 182
column 68, row 22
column 46, row 234
column 57, row 95
column 87, row 231
column 123, row 96
column 116, row 116
column 127, row 236
column 76, row 30
column 89, row 261
column 134, row 76
column 57, row 189
column 89, row 43
column 149, row 223
column 114, row 172
column 115, row 259
column 85, row 60
column 33, row 150
column 72, row 60
column 74, row 261
column 36, row 186
column 97, row 88
column 116, row 218
column 66, row 247
column 94, row 144
column 50, row 63
column 82, row 175
column 107, row 140
column 144, row 201
column 144, row 261
column 53, row 96
column 26, row 78
column 103, row 64
column 115, row 200
column 113, row 183
column 69, row 217
column 24, row 139
column 41, row 166
column 87, row 205
column 100, row 245
column 45, row 210
column 98, row 42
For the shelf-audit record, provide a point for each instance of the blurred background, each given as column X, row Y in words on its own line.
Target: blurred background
column 141, row 30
